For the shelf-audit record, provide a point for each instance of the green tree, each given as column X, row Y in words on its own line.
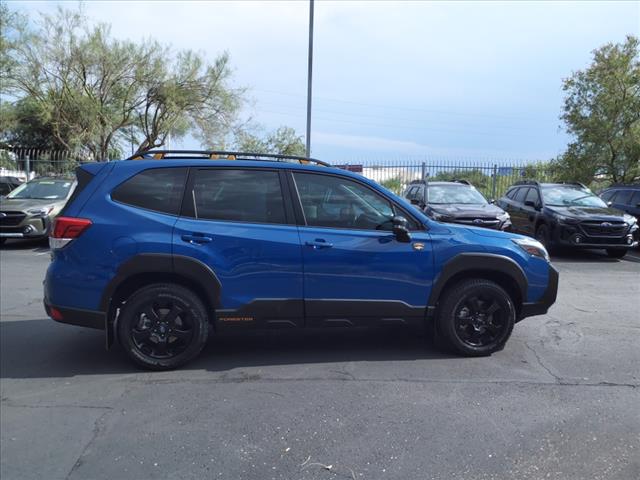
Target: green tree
column 602, row 113
column 97, row 93
column 394, row 184
column 284, row 141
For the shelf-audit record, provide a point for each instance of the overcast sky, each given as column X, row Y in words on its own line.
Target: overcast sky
column 461, row 80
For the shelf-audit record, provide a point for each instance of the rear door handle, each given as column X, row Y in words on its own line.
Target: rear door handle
column 318, row 244
column 196, row 239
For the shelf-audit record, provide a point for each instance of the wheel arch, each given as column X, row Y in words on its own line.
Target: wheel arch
column 144, row 269
column 498, row 268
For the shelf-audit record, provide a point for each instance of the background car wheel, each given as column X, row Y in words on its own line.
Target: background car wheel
column 163, row 326
column 476, row 317
column 543, row 235
column 616, row 252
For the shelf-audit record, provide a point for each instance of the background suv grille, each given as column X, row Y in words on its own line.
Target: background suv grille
column 604, row 229
column 10, row 219
column 487, row 222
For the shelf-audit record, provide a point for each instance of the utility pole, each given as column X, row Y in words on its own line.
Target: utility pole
column 309, row 76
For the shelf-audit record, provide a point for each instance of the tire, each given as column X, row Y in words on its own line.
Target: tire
column 475, row 317
column 616, row 252
column 543, row 235
column 163, row 326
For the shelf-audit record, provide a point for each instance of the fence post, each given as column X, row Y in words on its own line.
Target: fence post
column 27, row 165
column 423, row 173
column 494, row 181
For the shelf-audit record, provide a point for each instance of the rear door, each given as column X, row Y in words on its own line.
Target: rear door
column 236, row 221
column 530, row 213
column 355, row 271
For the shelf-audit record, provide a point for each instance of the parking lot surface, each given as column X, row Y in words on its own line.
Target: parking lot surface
column 562, row 400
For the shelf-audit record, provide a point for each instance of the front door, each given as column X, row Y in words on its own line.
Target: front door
column 236, row 222
column 355, row 271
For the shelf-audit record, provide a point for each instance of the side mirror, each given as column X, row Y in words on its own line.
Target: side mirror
column 529, row 203
column 609, row 203
column 415, row 201
column 400, row 229
column 492, row 201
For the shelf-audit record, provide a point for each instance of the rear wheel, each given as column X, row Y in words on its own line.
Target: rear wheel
column 616, row 252
column 476, row 317
column 163, row 326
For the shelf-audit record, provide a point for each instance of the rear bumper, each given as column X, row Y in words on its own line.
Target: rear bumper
column 74, row 316
column 530, row 309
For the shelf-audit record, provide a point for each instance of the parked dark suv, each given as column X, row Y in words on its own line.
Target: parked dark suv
column 623, row 197
column 456, row 202
column 160, row 253
column 569, row 214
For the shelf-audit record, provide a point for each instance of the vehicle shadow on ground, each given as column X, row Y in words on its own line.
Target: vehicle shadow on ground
column 590, row 256
column 45, row 349
column 37, row 246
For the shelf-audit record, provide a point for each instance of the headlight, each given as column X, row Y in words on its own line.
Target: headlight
column 532, row 247
column 439, row 217
column 565, row 219
column 629, row 219
column 40, row 211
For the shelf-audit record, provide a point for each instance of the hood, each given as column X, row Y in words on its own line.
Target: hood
column 589, row 213
column 460, row 210
column 21, row 204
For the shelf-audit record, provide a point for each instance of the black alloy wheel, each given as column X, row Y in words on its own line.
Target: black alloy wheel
column 163, row 326
column 475, row 317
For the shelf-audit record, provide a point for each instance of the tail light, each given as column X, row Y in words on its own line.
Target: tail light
column 67, row 229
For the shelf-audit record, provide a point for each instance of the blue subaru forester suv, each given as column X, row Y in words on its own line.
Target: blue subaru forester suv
column 167, row 248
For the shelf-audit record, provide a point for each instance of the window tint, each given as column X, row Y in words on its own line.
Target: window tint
column 412, row 193
column 252, row 196
column 519, row 197
column 635, row 200
column 511, row 193
column 336, row 202
column 158, row 189
column 606, row 196
column 624, row 197
column 533, row 196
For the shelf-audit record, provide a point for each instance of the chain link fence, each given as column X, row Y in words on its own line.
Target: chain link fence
column 490, row 178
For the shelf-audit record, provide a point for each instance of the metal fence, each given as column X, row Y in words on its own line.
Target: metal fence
column 491, row 178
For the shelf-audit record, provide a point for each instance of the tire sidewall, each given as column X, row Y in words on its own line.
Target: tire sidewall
column 450, row 305
column 194, row 307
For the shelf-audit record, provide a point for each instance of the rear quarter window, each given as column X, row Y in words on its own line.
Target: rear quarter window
column 157, row 189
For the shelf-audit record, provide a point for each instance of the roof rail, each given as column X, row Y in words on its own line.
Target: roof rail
column 527, row 182
column 418, row 182
column 464, row 182
column 224, row 155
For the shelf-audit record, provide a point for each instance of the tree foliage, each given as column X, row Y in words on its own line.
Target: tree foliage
column 97, row 92
column 284, row 141
column 602, row 113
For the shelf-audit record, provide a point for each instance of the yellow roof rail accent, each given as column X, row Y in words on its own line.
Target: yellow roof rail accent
column 231, row 157
column 158, row 156
column 214, row 156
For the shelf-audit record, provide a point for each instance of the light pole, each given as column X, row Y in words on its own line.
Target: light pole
column 309, row 76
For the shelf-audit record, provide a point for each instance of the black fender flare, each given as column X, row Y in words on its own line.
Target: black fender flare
column 164, row 263
column 487, row 262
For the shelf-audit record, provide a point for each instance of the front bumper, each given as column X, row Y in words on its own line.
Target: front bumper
column 31, row 226
column 530, row 309
column 576, row 237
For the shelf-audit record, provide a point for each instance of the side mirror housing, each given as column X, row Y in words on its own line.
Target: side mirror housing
column 400, row 229
column 609, row 203
column 415, row 201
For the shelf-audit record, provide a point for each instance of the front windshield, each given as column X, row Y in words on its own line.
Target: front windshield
column 441, row 194
column 569, row 196
column 42, row 189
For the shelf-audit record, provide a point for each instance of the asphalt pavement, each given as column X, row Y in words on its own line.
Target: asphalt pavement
column 561, row 401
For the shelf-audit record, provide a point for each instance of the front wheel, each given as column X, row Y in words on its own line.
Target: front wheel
column 616, row 252
column 476, row 317
column 163, row 326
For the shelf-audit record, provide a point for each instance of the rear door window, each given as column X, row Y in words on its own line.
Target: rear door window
column 157, row 189
column 533, row 196
column 635, row 200
column 624, row 197
column 238, row 195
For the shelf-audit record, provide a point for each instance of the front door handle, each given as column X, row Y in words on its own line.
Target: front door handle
column 196, row 239
column 318, row 244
